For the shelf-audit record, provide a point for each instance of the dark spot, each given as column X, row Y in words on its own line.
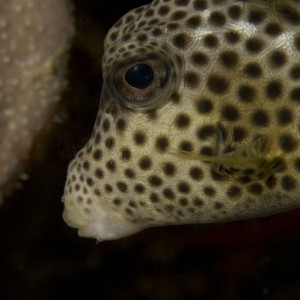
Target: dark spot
column 99, row 173
column 117, row 201
column 290, row 14
column 169, row 194
column 273, row 89
column 229, row 59
column 162, row 143
column 183, row 201
column 183, row 187
column 129, row 19
column 246, row 93
column 175, row 97
column 191, row 79
column 111, row 165
column 132, row 204
column 125, row 154
column 205, row 132
column 254, row 45
column 109, row 143
column 169, row 169
column 86, row 165
column 121, row 124
column 198, row 202
column 154, row 198
column 108, row 188
column 90, row 181
column 129, row 173
column 218, row 205
column 256, row 16
column 230, row 113
column 217, row 18
column 287, row 142
column 211, row 41
column 97, row 192
column 122, row 186
column 234, row 12
column 273, row 29
column 178, row 15
column 155, row 180
column 193, row 22
column 232, row 36
column 297, row 165
column 297, row 42
column 97, row 138
column 139, row 188
column 295, row 95
column 139, row 138
column 182, row 121
column 260, row 118
column 142, row 38
column 186, row 146
column 182, row 2
column 253, row 70
column 217, row 84
column 200, row 4
column 284, row 116
column 234, row 192
column 105, row 125
column 172, row 26
column 271, row 182
column 209, row 191
column 255, row 188
column 196, row 173
column 145, row 163
column 204, row 105
column 181, row 40
column 206, row 150
column 163, row 10
column 126, row 37
column 156, row 32
column 239, row 133
column 129, row 211
column 277, row 59
column 113, row 36
column 295, row 72
column 288, row 183
column 199, row 58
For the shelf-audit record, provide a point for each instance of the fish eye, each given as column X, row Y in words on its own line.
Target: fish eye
column 139, row 76
column 143, row 81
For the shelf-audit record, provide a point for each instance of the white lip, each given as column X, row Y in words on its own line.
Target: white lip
column 102, row 223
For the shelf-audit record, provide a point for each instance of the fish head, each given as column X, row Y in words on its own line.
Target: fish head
column 197, row 119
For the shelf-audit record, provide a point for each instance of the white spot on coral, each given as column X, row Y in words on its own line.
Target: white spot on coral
column 8, row 112
column 6, row 59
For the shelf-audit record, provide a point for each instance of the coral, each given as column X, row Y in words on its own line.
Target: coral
column 34, row 41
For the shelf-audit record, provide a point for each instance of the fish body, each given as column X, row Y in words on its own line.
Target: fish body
column 198, row 119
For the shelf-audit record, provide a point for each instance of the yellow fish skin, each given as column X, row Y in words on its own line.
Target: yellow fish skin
column 198, row 119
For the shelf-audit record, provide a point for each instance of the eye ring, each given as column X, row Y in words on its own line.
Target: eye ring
column 161, row 71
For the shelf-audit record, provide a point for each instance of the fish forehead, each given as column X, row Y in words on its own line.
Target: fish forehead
column 238, row 73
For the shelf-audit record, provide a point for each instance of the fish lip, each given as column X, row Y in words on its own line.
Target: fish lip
column 102, row 223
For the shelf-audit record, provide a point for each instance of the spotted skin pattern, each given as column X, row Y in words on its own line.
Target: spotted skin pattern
column 226, row 79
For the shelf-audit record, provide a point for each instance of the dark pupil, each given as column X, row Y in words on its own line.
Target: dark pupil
column 139, row 76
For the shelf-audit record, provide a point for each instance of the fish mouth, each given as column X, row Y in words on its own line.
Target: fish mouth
column 98, row 221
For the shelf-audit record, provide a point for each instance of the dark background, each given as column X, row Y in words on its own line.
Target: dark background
column 42, row 258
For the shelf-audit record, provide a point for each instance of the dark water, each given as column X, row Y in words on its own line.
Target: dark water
column 42, row 258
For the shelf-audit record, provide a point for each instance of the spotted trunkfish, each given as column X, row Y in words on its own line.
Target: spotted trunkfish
column 199, row 119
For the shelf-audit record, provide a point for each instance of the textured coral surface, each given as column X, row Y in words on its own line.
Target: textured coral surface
column 34, row 39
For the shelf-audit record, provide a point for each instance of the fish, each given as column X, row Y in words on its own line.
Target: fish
column 198, row 121
column 34, row 40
